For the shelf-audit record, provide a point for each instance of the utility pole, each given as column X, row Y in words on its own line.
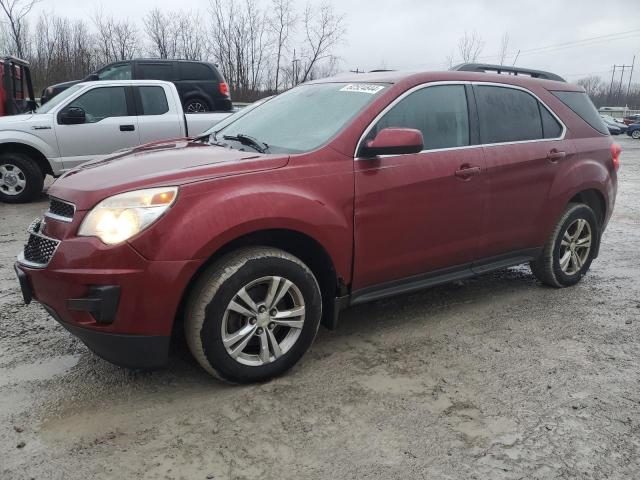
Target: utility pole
column 631, row 75
column 618, row 90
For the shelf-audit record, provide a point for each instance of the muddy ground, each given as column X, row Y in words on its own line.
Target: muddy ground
column 492, row 378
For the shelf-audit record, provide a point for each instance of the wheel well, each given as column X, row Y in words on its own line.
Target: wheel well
column 31, row 152
column 595, row 200
column 302, row 246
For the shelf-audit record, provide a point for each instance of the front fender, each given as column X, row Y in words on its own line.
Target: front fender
column 49, row 149
column 202, row 221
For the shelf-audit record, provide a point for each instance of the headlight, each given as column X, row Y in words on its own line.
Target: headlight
column 122, row 216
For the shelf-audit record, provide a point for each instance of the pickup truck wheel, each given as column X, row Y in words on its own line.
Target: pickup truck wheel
column 196, row 105
column 20, row 178
column 635, row 134
column 253, row 314
column 568, row 253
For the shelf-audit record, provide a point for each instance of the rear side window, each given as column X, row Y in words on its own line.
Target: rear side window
column 580, row 103
column 155, row 71
column 439, row 112
column 153, row 100
column 195, row 71
column 507, row 115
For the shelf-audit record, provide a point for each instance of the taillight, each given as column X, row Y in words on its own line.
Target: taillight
column 615, row 155
column 224, row 89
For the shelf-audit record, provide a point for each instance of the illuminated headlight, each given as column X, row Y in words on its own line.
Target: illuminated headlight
column 118, row 218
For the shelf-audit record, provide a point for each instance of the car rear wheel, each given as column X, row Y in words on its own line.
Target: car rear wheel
column 20, row 178
column 567, row 255
column 635, row 134
column 196, row 105
column 253, row 314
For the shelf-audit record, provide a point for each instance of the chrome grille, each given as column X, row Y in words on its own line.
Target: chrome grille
column 39, row 249
column 60, row 210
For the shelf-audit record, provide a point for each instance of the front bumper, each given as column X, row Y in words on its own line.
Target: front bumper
column 121, row 305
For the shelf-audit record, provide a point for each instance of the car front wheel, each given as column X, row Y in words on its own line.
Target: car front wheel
column 567, row 255
column 20, row 178
column 635, row 134
column 253, row 314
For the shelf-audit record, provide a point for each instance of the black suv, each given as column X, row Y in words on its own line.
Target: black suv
column 201, row 86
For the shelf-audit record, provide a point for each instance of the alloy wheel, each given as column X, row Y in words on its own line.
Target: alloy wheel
column 12, row 179
column 263, row 321
column 575, row 246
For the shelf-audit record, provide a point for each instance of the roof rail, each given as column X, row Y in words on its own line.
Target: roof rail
column 487, row 67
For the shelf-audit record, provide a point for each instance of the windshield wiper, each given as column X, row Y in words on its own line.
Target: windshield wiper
column 248, row 141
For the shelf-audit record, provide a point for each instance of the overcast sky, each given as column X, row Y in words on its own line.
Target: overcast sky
column 419, row 34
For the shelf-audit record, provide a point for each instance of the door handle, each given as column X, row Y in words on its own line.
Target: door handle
column 554, row 155
column 127, row 128
column 466, row 171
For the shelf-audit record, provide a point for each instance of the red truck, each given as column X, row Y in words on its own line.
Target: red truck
column 16, row 89
column 337, row 192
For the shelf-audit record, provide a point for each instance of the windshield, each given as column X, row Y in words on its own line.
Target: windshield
column 303, row 118
column 234, row 116
column 58, row 99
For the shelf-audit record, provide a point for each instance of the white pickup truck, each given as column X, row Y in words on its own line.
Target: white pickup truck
column 89, row 121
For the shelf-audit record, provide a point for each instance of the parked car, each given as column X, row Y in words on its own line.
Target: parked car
column 614, row 127
column 16, row 90
column 201, row 86
column 89, row 121
column 616, row 122
column 337, row 192
column 634, row 130
column 629, row 119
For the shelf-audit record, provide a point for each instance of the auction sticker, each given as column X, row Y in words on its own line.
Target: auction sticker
column 362, row 88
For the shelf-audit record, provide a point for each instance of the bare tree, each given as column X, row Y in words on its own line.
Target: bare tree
column 16, row 12
column 116, row 39
column 324, row 30
column 450, row 60
column 470, row 46
column 160, row 30
column 504, row 47
column 593, row 85
column 281, row 23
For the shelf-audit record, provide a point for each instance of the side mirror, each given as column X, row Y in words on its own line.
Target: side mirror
column 394, row 141
column 72, row 116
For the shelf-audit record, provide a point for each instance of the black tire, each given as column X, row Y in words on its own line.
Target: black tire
column 196, row 105
column 547, row 266
column 21, row 168
column 218, row 286
column 635, row 134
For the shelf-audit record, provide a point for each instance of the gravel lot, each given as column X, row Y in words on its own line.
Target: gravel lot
column 492, row 378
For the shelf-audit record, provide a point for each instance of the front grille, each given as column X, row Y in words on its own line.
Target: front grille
column 39, row 249
column 61, row 209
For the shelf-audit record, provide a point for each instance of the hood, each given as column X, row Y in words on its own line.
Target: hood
column 23, row 117
column 156, row 164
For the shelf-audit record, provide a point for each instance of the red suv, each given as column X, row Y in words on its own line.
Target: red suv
column 337, row 192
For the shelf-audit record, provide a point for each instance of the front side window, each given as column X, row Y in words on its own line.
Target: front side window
column 439, row 112
column 116, row 72
column 507, row 115
column 153, row 100
column 305, row 117
column 101, row 103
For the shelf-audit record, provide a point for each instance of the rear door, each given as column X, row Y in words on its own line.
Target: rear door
column 111, row 124
column 524, row 147
column 158, row 115
column 416, row 213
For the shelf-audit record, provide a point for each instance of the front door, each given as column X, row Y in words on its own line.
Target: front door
column 418, row 213
column 109, row 126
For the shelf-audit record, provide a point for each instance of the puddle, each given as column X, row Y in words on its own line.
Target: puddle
column 43, row 370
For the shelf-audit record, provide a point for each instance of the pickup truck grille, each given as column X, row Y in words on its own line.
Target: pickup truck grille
column 39, row 249
column 61, row 210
